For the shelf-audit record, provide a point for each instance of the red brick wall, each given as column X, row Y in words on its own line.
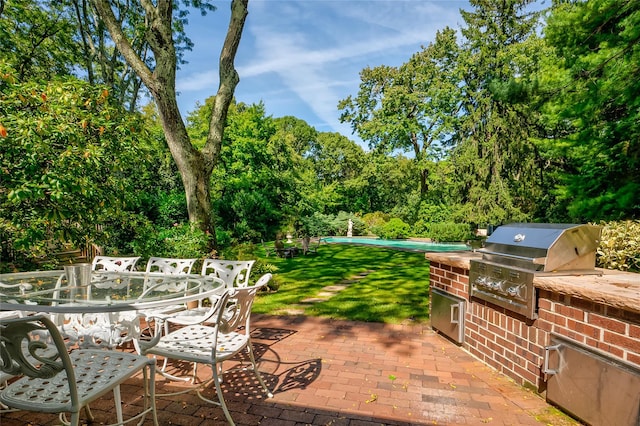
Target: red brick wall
column 451, row 279
column 608, row 329
column 514, row 345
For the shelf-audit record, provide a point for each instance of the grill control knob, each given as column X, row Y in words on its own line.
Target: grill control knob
column 512, row 291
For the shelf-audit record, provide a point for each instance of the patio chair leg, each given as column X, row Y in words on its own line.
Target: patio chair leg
column 117, row 399
column 75, row 419
column 223, row 404
column 88, row 413
column 257, row 373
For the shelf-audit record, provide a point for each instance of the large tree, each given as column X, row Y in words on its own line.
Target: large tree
column 495, row 159
column 195, row 165
column 410, row 108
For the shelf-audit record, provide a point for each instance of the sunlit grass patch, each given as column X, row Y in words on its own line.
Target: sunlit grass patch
column 376, row 285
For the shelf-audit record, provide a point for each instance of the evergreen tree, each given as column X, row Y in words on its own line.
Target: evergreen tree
column 494, row 158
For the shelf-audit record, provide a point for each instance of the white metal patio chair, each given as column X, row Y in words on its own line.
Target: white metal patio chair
column 215, row 337
column 114, row 264
column 56, row 381
column 170, row 266
column 235, row 273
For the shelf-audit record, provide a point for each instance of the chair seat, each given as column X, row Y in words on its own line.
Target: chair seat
column 210, row 340
column 194, row 343
column 97, row 371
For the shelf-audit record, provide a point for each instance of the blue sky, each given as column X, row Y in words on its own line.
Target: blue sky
column 300, row 57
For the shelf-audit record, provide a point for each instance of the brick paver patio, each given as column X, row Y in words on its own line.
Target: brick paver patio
column 327, row 372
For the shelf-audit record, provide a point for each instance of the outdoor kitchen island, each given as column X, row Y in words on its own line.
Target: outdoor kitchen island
column 582, row 349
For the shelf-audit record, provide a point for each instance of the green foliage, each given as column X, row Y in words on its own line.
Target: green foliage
column 37, row 38
column 412, row 107
column 434, row 213
column 444, row 232
column 375, row 219
column 497, row 171
column 181, row 240
column 394, row 229
column 71, row 162
column 172, row 208
column 620, row 246
column 593, row 96
column 254, row 188
column 320, row 224
column 317, row 224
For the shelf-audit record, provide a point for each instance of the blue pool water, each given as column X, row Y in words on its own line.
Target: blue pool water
column 399, row 244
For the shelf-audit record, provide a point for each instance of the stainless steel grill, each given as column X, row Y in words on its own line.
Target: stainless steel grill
column 515, row 253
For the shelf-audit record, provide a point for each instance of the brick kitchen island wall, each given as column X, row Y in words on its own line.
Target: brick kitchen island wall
column 593, row 324
column 514, row 345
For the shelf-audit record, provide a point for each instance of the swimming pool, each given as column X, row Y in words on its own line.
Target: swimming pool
column 400, row 244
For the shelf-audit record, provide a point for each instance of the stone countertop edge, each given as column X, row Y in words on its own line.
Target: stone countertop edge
column 456, row 259
column 610, row 287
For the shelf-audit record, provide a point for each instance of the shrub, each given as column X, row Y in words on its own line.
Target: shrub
column 172, row 208
column 394, row 229
column 447, row 232
column 620, row 246
column 317, row 224
column 181, row 240
column 375, row 220
column 432, row 213
column 320, row 224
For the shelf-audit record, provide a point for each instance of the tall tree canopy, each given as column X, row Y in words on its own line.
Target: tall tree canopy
column 36, row 39
column 412, row 107
column 495, row 160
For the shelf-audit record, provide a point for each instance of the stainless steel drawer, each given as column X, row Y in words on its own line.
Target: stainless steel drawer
column 447, row 314
column 591, row 385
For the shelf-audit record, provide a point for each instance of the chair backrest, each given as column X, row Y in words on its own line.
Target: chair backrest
column 114, row 264
column 170, row 266
column 234, row 273
column 238, row 310
column 32, row 346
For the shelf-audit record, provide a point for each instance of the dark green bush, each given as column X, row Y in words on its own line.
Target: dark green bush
column 394, row 229
column 322, row 225
column 172, row 208
column 317, row 224
column 447, row 232
column 181, row 240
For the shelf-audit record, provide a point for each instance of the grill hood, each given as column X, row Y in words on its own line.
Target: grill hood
column 545, row 247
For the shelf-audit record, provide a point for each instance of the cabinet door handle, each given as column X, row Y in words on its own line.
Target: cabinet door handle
column 547, row 352
column 455, row 313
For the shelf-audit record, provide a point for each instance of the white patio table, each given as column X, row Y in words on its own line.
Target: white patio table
column 107, row 311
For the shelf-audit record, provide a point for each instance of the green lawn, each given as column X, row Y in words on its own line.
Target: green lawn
column 365, row 284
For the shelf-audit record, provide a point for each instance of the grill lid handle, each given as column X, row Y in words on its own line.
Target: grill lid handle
column 535, row 260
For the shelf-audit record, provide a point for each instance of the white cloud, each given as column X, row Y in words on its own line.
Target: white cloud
column 316, row 49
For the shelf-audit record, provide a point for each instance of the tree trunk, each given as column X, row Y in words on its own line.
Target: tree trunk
column 194, row 170
column 195, row 166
